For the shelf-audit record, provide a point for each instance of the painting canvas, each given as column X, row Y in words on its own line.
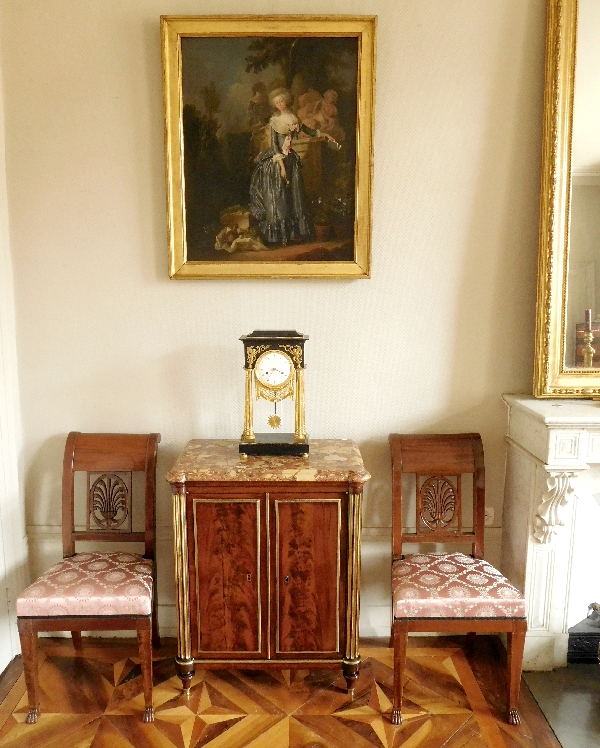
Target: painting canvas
column 268, row 145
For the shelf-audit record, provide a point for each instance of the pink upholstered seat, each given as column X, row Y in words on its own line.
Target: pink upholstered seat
column 91, row 584
column 452, row 585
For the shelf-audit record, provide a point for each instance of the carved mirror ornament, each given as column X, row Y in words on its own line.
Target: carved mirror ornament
column 567, row 360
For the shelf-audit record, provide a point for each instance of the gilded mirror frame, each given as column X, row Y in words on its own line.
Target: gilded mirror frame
column 551, row 377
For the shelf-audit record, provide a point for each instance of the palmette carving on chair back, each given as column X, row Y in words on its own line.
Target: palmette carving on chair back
column 438, row 503
column 109, row 503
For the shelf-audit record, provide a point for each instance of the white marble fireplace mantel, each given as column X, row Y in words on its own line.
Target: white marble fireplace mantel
column 552, row 518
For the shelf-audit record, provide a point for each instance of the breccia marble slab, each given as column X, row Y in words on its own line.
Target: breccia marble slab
column 219, row 460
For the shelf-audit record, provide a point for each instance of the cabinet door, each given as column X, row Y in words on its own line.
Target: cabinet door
column 226, row 564
column 309, row 594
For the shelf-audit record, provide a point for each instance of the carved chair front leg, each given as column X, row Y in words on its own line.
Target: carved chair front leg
column 516, row 645
column 400, row 635
column 144, row 634
column 28, row 637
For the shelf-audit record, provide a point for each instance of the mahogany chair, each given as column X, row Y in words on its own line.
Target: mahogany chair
column 95, row 591
column 448, row 592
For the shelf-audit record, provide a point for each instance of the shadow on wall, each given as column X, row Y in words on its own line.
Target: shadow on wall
column 377, row 508
column 43, row 483
column 488, row 417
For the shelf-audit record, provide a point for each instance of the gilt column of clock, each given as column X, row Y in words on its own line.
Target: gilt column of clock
column 267, row 550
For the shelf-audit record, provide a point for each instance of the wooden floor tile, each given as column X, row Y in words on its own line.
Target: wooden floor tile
column 53, row 731
column 11, row 701
column 95, row 700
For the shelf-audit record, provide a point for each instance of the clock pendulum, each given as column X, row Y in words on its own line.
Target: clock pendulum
column 274, row 421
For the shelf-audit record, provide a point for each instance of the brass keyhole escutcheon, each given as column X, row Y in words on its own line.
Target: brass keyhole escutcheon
column 249, row 577
column 287, row 580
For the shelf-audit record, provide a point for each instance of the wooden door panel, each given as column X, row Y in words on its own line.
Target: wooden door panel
column 227, row 565
column 307, row 575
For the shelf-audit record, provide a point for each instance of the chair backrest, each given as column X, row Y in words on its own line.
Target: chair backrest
column 109, row 462
column 438, row 461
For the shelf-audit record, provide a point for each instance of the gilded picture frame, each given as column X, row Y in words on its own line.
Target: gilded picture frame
column 269, row 145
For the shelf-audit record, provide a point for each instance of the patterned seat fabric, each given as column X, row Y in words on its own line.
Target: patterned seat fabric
column 91, row 584
column 452, row 585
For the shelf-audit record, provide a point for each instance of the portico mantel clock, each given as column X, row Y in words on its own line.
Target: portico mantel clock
column 274, row 365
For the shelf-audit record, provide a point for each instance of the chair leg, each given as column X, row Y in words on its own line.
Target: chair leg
column 144, row 634
column 516, row 645
column 400, row 639
column 155, row 633
column 28, row 637
column 77, row 643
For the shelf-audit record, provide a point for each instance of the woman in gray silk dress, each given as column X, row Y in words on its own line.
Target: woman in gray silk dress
column 277, row 199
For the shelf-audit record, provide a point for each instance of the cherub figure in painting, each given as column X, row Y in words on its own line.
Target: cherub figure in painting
column 329, row 115
column 277, row 199
column 308, row 105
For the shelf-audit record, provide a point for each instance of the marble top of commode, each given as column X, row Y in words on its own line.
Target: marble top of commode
column 555, row 412
column 220, row 460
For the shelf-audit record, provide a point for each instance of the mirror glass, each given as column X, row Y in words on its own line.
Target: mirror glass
column 582, row 324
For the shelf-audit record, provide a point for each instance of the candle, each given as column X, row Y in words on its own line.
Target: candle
column 588, row 319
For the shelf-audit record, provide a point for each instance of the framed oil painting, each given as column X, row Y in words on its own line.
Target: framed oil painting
column 268, row 140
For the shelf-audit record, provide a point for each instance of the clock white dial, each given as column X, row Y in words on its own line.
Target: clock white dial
column 273, row 369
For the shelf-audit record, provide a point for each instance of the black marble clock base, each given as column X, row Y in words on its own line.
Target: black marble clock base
column 274, row 444
column 584, row 640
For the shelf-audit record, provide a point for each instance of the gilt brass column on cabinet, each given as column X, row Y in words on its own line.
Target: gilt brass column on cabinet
column 267, row 557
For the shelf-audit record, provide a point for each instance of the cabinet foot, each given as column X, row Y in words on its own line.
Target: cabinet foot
column 185, row 672
column 350, row 671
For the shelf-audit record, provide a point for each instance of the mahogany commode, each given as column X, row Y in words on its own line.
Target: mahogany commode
column 267, row 557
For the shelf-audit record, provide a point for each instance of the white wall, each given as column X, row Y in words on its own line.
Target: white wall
column 107, row 342
column 13, row 542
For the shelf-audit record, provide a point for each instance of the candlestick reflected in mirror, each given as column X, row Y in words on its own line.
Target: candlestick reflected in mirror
column 588, row 337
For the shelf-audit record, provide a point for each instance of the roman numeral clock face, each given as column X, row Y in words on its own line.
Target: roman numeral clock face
column 273, row 369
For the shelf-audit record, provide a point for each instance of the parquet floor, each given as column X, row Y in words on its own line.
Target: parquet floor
column 96, row 700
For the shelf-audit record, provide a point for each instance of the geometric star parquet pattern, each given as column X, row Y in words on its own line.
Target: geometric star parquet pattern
column 95, row 700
